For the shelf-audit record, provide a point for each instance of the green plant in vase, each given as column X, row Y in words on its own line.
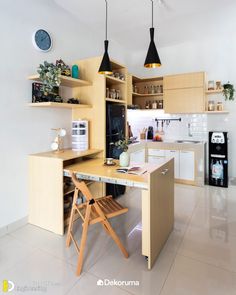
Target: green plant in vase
column 228, row 91
column 124, row 156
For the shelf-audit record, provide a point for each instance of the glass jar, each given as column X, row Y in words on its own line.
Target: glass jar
column 145, row 89
column 218, row 85
column 152, row 89
column 118, row 94
column 211, row 105
column 211, row 85
column 219, row 106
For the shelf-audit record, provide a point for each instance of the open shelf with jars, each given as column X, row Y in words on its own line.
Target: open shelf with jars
column 147, row 93
column 214, row 98
column 116, row 84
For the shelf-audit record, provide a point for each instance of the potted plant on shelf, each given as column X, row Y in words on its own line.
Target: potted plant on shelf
column 49, row 75
column 124, row 156
column 228, row 91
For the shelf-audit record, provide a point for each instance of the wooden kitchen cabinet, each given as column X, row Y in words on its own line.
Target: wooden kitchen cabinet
column 180, row 81
column 184, row 93
column 188, row 100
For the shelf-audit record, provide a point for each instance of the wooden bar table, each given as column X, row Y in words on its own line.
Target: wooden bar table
column 157, row 186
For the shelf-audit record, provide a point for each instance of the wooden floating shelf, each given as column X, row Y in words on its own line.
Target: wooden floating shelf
column 113, row 80
column 115, row 100
column 65, row 81
column 209, row 92
column 59, row 105
column 147, row 95
column 217, row 112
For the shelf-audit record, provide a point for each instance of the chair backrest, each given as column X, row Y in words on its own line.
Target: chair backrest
column 81, row 186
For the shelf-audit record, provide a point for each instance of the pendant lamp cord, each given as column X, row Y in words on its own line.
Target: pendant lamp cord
column 106, row 19
column 152, row 13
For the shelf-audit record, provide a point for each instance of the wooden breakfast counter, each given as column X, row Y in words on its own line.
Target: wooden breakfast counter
column 157, row 186
column 46, row 192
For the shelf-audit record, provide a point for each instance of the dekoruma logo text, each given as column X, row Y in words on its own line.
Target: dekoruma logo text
column 114, row 282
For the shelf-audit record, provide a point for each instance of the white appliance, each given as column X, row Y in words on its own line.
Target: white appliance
column 80, row 135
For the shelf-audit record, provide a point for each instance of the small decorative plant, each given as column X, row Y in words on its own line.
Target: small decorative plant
column 49, row 75
column 228, row 91
column 122, row 144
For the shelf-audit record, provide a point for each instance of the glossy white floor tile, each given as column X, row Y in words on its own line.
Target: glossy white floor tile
column 198, row 258
column 42, row 271
column 190, row 277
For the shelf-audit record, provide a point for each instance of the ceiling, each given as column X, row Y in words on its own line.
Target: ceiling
column 176, row 21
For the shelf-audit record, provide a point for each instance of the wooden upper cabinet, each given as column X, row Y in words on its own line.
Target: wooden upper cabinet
column 188, row 100
column 189, row 80
column 184, row 93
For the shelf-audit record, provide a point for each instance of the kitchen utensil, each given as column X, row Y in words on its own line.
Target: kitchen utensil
column 150, row 132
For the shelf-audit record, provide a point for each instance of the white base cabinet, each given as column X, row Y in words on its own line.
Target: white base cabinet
column 156, row 160
column 184, row 162
column 138, row 157
column 187, row 165
column 174, row 154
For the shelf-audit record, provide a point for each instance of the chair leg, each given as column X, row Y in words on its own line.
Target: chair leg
column 116, row 238
column 105, row 228
column 71, row 222
column 70, row 227
column 83, row 240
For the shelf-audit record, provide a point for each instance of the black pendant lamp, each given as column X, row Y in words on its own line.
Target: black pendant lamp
column 152, row 58
column 105, row 67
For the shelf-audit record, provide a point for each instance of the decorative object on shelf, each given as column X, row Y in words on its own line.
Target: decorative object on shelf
column 73, row 101
column 42, row 40
column 49, row 75
column 152, row 58
column 211, row 85
column 57, row 144
column 38, row 95
column 124, row 156
column 228, row 91
column 218, row 85
column 80, row 135
column 75, row 72
column 105, row 67
column 65, row 69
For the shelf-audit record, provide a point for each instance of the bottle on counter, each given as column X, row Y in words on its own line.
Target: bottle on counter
column 147, row 105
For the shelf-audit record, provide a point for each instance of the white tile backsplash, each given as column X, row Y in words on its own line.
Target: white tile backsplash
column 139, row 119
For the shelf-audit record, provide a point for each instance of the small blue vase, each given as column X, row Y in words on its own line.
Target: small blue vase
column 75, row 72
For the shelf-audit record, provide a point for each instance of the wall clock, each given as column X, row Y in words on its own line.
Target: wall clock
column 42, row 40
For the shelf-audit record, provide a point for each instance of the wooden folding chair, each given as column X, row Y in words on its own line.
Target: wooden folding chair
column 91, row 212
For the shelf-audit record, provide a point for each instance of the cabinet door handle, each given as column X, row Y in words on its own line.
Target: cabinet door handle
column 164, row 171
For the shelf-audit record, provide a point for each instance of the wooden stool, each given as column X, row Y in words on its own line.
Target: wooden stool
column 91, row 212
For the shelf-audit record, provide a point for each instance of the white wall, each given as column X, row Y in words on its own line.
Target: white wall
column 25, row 130
column 213, row 53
